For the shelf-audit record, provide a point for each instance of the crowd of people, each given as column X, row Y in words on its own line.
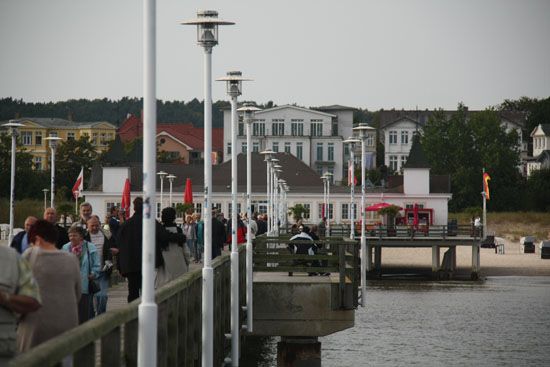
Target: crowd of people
column 53, row 278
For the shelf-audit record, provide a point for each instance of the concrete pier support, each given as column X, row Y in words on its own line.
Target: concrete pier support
column 299, row 352
column 435, row 258
column 369, row 258
column 453, row 258
column 378, row 259
column 475, row 262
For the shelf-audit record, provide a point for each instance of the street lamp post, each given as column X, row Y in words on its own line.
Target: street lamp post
column 234, row 83
column 352, row 141
column 161, row 174
column 268, row 153
column 53, row 146
column 274, row 192
column 45, row 191
column 171, row 179
column 324, row 212
column 362, row 131
column 282, row 183
column 12, row 125
column 248, row 112
column 207, row 23
column 329, row 180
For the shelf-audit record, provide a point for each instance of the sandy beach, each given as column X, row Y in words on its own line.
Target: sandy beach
column 511, row 263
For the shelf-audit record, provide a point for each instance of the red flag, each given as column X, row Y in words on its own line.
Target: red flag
column 188, row 196
column 486, row 179
column 125, row 202
column 79, row 185
column 350, row 171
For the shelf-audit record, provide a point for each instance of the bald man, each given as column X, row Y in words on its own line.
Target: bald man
column 62, row 237
column 21, row 240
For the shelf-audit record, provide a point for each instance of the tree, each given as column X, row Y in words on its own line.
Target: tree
column 71, row 156
column 391, row 212
column 538, row 190
column 463, row 145
column 298, row 211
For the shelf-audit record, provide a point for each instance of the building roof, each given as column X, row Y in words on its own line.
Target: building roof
column 334, row 107
column 417, row 158
column 288, row 106
column 545, row 128
column 544, row 156
column 58, row 123
column 188, row 134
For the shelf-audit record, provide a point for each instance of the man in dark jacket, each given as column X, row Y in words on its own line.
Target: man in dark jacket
column 218, row 235
column 62, row 237
column 20, row 241
column 130, row 245
column 262, row 225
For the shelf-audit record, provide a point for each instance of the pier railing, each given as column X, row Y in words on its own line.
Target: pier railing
column 111, row 338
column 335, row 256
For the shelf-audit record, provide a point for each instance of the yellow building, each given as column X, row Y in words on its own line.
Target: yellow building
column 35, row 130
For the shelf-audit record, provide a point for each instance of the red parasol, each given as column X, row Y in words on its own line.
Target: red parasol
column 376, row 207
column 188, row 195
column 125, row 202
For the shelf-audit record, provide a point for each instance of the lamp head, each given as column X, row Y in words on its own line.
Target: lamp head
column 53, row 141
column 171, row 177
column 234, row 83
column 351, row 140
column 162, row 174
column 363, row 130
column 248, row 110
column 207, row 23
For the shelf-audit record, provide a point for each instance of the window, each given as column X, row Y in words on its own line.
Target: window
column 345, row 211
column 198, row 208
column 241, row 129
column 319, row 170
column 297, row 127
column 393, row 137
column 243, row 147
column 299, row 150
column 216, row 206
column 228, row 148
column 94, row 139
column 256, row 147
column 287, row 147
column 70, row 136
column 319, row 151
column 393, row 162
column 278, row 128
column 37, row 162
column 230, row 209
column 330, row 152
column 26, row 137
column 316, row 128
column 111, row 204
column 330, row 211
column 103, row 139
column 404, row 137
column 258, row 129
column 346, row 150
column 306, row 214
column 334, row 129
column 275, row 147
column 331, row 171
column 38, row 138
column 53, row 133
column 370, row 140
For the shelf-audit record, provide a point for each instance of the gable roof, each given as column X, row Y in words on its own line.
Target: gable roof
column 544, row 156
column 287, row 106
column 58, row 123
column 334, row 107
column 417, row 158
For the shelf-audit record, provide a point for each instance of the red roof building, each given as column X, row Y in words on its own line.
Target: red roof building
column 181, row 142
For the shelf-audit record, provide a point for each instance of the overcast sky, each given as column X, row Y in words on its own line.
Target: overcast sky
column 368, row 54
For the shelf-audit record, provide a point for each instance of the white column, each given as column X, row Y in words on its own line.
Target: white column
column 249, row 275
column 328, row 206
column 12, row 183
column 207, row 271
column 52, row 177
column 363, row 238
column 268, row 194
column 234, row 252
column 147, row 311
column 352, row 189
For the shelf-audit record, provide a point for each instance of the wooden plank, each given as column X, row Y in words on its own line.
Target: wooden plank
column 162, row 335
column 182, row 327
column 110, row 348
column 172, row 331
column 131, row 343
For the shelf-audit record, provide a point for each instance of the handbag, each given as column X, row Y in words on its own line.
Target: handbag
column 93, row 287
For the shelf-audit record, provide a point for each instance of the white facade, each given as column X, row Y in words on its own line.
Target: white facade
column 541, row 141
column 313, row 136
column 398, row 142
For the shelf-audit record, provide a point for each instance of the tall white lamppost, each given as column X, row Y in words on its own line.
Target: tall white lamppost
column 207, row 23
column 329, row 181
column 45, row 191
column 248, row 111
column 274, row 192
column 147, row 310
column 363, row 131
column 324, row 212
column 53, row 146
column 12, row 125
column 171, row 179
column 234, row 84
column 268, row 155
column 351, row 144
column 161, row 175
column 282, row 183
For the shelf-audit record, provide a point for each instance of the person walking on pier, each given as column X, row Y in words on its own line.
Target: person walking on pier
column 21, row 240
column 176, row 256
column 57, row 275
column 85, row 214
column 50, row 215
column 190, row 232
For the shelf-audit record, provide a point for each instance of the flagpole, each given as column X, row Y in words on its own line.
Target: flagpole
column 484, row 195
column 75, row 194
